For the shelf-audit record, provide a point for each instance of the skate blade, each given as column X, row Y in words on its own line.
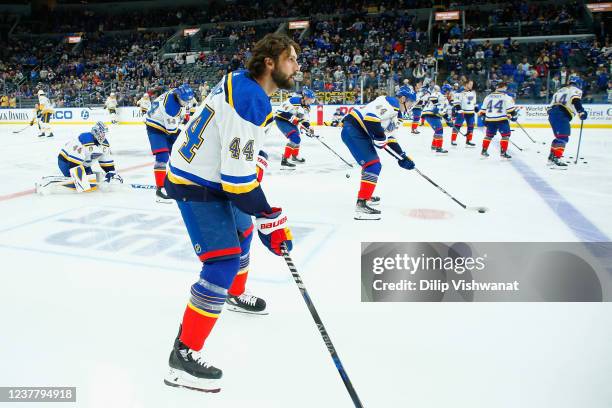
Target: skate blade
column 178, row 379
column 555, row 167
column 367, row 217
column 163, row 201
column 371, row 204
column 287, row 168
column 241, row 310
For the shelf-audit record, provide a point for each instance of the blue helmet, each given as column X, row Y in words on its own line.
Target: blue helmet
column 308, row 93
column 407, row 92
column 99, row 131
column 184, row 93
column 576, row 81
column 446, row 88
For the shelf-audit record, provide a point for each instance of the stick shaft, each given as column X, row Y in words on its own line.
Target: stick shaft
column 322, row 330
column 579, row 142
column 440, row 188
column 334, row 152
column 524, row 131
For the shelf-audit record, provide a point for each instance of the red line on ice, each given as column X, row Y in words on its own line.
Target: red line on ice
column 32, row 191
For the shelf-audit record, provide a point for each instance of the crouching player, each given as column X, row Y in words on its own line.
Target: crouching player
column 75, row 160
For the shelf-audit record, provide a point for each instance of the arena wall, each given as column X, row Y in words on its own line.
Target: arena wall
column 600, row 116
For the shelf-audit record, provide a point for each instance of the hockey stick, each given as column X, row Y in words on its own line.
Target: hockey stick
column 333, row 151
column 579, row 141
column 527, row 134
column 21, row 130
column 321, row 327
column 515, row 145
column 479, row 209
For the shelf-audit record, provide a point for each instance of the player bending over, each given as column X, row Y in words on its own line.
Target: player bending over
column 370, row 128
column 293, row 119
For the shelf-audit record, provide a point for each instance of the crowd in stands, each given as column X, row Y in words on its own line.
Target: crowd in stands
column 353, row 52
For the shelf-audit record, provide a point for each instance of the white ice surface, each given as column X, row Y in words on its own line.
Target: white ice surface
column 95, row 301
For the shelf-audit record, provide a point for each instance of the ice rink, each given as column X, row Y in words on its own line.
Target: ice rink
column 93, row 286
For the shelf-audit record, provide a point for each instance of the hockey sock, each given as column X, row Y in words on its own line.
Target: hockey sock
column 558, row 145
column 369, row 178
column 468, row 137
column 288, row 151
column 159, row 168
column 207, row 299
column 296, row 151
column 415, row 125
column 239, row 283
column 454, row 136
column 503, row 143
column 422, row 121
column 486, row 142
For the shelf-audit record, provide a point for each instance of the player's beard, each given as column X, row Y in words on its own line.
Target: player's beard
column 283, row 81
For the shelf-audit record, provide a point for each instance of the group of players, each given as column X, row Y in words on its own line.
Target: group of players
column 210, row 160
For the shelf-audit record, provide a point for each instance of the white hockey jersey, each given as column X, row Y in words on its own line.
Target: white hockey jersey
column 497, row 106
column 144, row 104
column 436, row 104
column 111, row 103
column 84, row 149
column 467, row 101
column 421, row 98
column 565, row 98
column 220, row 144
column 292, row 110
column 44, row 105
column 165, row 113
column 378, row 118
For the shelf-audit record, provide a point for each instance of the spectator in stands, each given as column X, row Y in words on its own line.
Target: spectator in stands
column 508, row 69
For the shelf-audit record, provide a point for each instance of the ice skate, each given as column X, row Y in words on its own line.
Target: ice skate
column 246, row 303
column 161, row 196
column 374, row 200
column 365, row 212
column 298, row 159
column 188, row 369
column 286, row 165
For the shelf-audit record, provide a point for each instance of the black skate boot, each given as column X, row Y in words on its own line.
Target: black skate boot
column 469, row 144
column 161, row 196
column 374, row 200
column 556, row 163
column 365, row 212
column 286, row 165
column 50, row 134
column 440, row 150
column 189, row 370
column 484, row 154
column 415, row 131
column 298, row 159
column 453, row 143
column 505, row 155
column 246, row 303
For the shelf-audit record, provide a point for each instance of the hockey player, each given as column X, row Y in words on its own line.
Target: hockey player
column 422, row 93
column 212, row 175
column 293, row 119
column 46, row 111
column 111, row 106
column 370, row 128
column 465, row 107
column 497, row 108
column 144, row 104
column 566, row 102
column 336, row 119
column 437, row 108
column 163, row 120
column 37, row 118
column 75, row 161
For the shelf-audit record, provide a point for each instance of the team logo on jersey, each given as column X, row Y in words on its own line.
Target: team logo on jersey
column 197, row 248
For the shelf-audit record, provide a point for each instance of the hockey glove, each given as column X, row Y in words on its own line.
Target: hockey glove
column 406, row 163
column 306, row 129
column 583, row 115
column 262, row 165
column 273, row 230
column 112, row 177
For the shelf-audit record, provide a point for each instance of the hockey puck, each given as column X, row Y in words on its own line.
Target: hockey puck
column 482, row 211
column 348, row 175
column 585, row 162
column 538, row 151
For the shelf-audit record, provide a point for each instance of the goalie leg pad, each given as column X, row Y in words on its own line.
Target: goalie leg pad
column 81, row 179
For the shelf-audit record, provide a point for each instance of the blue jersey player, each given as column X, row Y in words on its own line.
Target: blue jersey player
column 163, row 120
column 212, row 175
column 367, row 129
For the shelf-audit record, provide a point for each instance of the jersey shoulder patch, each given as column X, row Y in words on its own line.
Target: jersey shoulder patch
column 247, row 98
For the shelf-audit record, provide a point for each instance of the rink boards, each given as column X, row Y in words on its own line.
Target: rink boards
column 600, row 116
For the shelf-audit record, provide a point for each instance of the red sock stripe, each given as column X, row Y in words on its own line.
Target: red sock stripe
column 366, row 190
column 371, row 162
column 196, row 328
column 160, row 177
column 295, row 152
column 288, row 151
column 239, row 284
column 485, row 143
column 219, row 253
column 503, row 144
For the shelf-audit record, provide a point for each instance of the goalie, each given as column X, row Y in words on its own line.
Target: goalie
column 75, row 160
